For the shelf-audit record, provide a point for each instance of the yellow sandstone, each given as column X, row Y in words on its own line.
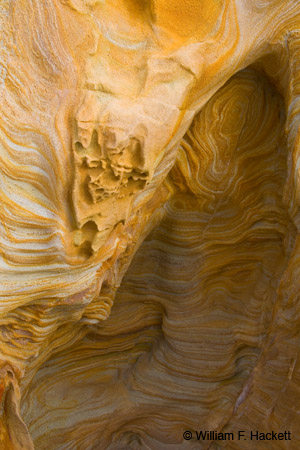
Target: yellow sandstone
column 149, row 224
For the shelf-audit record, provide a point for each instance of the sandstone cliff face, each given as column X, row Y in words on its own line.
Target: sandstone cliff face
column 149, row 206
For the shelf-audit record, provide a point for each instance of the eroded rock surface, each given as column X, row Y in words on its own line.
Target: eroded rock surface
column 149, row 156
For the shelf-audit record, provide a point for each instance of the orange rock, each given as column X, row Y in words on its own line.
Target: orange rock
column 149, row 216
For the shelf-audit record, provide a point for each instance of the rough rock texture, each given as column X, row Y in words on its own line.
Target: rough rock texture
column 149, row 217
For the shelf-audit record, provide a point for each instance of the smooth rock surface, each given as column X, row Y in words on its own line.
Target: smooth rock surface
column 149, row 216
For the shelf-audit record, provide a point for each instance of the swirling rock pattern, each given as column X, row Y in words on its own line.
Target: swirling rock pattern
column 149, row 156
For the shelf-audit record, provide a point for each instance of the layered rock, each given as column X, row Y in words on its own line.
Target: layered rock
column 149, row 222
